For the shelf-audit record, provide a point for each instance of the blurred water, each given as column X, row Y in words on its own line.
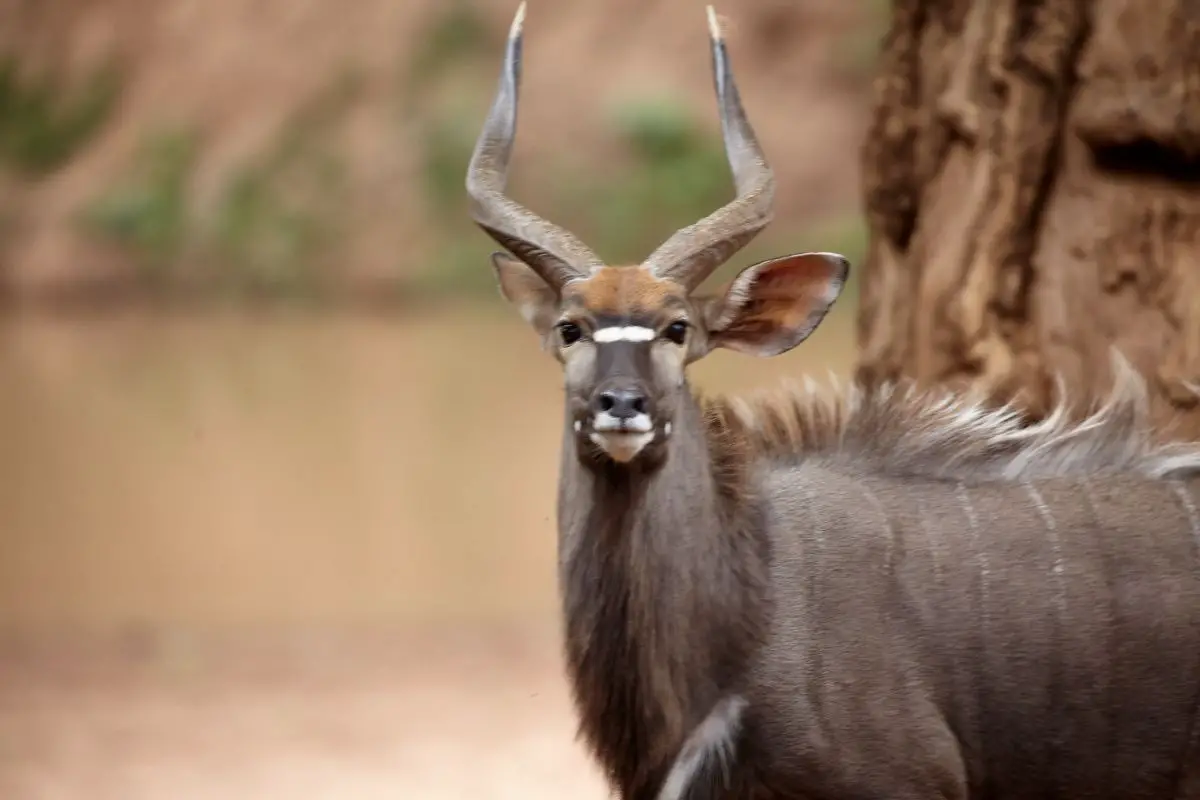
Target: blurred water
column 290, row 467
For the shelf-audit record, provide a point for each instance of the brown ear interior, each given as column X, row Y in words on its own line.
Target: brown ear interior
column 774, row 305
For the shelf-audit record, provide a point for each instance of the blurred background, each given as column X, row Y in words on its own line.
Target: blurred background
column 259, row 534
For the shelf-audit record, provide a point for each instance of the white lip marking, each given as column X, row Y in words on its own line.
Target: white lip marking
column 621, row 446
column 578, row 426
column 604, row 422
column 623, row 333
column 667, row 429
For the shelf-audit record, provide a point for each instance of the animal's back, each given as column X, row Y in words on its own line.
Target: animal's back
column 1036, row 638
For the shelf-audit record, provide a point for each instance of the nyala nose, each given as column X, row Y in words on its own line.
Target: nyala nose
column 621, row 402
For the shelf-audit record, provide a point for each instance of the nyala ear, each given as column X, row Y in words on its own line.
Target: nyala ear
column 772, row 306
column 536, row 300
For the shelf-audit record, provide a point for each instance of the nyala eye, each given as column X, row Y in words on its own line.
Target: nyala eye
column 676, row 332
column 569, row 333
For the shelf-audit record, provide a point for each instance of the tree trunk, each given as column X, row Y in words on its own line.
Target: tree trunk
column 1032, row 188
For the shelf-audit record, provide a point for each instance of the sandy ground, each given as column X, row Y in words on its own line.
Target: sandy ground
column 301, row 716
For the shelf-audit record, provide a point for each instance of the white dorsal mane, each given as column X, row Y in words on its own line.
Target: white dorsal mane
column 946, row 435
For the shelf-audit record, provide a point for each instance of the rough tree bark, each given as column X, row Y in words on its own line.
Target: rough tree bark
column 1032, row 187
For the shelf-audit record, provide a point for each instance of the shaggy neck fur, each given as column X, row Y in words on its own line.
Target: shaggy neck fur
column 663, row 575
column 939, row 435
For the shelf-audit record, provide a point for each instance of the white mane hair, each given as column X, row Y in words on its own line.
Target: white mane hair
column 941, row 434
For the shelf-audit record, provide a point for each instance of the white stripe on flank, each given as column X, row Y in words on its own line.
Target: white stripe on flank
column 1057, row 569
column 1185, row 497
column 625, row 333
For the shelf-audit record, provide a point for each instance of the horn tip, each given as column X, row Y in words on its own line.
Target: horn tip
column 518, row 22
column 714, row 26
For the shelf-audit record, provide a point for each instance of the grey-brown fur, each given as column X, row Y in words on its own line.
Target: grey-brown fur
column 654, row 640
column 909, row 596
column 914, row 596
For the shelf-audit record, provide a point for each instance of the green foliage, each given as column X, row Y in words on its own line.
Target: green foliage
column 676, row 173
column 43, row 122
column 272, row 221
column 859, row 52
column 447, row 140
column 280, row 212
column 457, row 35
column 148, row 211
column 442, row 92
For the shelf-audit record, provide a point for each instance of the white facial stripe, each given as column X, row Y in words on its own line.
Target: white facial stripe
column 604, row 421
column 623, row 333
